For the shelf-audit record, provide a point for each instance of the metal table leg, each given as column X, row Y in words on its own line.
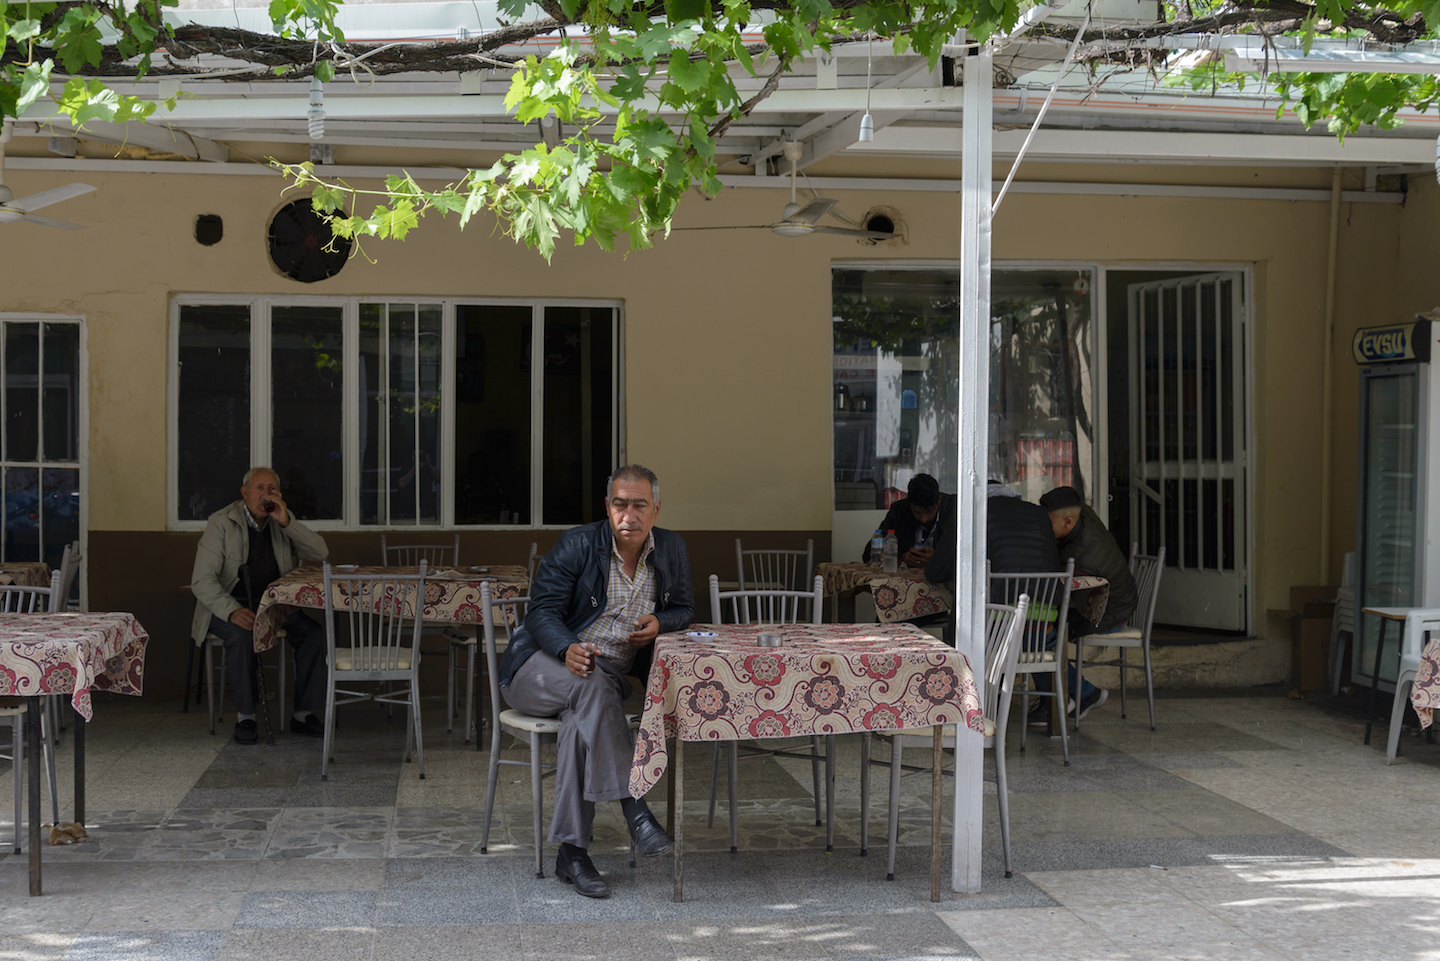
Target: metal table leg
column 33, row 707
column 937, row 756
column 829, row 794
column 79, row 768
column 677, row 767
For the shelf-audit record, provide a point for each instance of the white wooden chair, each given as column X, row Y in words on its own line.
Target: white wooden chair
column 383, row 644
column 1004, row 627
column 765, row 607
column 1420, row 626
column 24, row 599
column 1048, row 612
column 775, row 570
column 1147, row 582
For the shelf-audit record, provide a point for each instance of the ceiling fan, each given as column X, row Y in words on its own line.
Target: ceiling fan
column 21, row 211
column 798, row 221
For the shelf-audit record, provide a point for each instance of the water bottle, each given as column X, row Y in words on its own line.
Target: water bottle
column 877, row 548
column 891, row 553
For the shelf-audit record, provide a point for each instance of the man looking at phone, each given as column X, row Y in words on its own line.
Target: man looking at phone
column 257, row 534
column 600, row 597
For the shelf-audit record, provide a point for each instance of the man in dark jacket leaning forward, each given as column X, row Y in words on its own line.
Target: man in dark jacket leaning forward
column 600, row 596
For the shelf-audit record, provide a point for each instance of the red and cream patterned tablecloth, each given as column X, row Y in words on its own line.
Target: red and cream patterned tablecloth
column 901, row 596
column 71, row 654
column 1425, row 694
column 25, row 573
column 712, row 683
column 450, row 595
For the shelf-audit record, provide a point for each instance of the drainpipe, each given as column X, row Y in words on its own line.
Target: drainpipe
column 1327, row 391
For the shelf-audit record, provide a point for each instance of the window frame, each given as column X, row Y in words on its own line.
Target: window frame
column 82, row 440
column 261, row 396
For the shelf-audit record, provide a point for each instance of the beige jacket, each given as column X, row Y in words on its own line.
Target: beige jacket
column 223, row 549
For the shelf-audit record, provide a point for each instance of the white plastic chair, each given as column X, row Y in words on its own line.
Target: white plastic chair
column 1147, row 582
column 775, row 570
column 17, row 717
column 766, row 607
column 1420, row 625
column 383, row 645
column 23, row 599
column 1004, row 627
column 533, row 563
column 1049, row 610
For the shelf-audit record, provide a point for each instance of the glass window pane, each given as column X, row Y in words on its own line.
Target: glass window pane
column 60, row 513
column 371, row 379
column 492, row 414
column 307, row 403
column 578, row 394
column 401, row 467
column 22, row 514
column 62, row 392
column 213, row 426
column 429, row 357
column 1041, row 381
column 895, row 367
column 22, row 395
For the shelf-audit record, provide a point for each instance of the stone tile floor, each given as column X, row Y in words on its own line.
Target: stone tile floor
column 1247, row 826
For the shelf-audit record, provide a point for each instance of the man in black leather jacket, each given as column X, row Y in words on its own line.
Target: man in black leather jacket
column 599, row 599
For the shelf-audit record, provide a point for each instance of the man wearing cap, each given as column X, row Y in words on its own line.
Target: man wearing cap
column 1079, row 533
column 918, row 520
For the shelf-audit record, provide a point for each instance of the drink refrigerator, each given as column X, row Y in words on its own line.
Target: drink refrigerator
column 1397, row 524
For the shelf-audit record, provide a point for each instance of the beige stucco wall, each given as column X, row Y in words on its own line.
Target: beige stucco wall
column 728, row 332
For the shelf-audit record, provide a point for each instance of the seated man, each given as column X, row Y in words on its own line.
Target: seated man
column 257, row 533
column 600, row 597
column 918, row 520
column 1080, row 534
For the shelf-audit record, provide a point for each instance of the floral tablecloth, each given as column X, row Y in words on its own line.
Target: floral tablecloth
column 71, row 654
column 824, row 679
column 449, row 595
column 25, row 573
column 901, row 596
column 1425, row 694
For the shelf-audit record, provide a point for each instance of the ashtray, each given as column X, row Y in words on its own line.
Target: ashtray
column 701, row 634
column 347, row 568
column 769, row 640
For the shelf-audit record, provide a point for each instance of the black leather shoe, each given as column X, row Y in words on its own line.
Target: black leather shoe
column 246, row 732
column 650, row 838
column 311, row 726
column 573, row 866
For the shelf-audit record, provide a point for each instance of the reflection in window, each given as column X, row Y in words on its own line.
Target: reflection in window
column 578, row 391
column 492, row 413
column 307, row 391
column 213, row 414
column 399, row 385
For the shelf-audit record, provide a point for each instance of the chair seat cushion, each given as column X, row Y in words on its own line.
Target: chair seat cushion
column 1114, row 637
column 529, row 722
column 345, row 661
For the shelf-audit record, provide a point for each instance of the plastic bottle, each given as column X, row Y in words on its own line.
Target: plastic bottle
column 891, row 553
column 877, row 548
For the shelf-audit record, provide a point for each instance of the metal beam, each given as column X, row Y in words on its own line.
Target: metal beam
column 151, row 136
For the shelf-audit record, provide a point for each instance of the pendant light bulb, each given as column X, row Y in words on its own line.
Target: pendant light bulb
column 867, row 128
column 316, row 114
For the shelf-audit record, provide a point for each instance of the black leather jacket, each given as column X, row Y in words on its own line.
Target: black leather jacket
column 1096, row 552
column 570, row 588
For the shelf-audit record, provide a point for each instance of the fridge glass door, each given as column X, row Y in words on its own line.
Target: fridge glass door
column 1388, row 501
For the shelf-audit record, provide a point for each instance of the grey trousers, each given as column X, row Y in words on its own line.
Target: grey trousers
column 307, row 640
column 593, row 749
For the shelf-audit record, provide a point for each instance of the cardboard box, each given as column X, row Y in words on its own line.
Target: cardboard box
column 1300, row 596
column 1310, row 644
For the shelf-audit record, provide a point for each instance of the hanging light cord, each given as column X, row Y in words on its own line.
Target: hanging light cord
column 1064, row 69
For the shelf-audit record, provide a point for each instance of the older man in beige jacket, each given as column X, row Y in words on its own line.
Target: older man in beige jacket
column 257, row 534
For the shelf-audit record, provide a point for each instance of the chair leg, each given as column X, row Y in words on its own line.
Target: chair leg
column 714, row 782
column 535, row 783
column 829, row 794
column 492, row 776
column 815, row 775
column 1024, row 709
column 209, row 669
column 1002, row 794
column 1060, row 698
column 284, row 652
column 48, row 746
column 1397, row 720
column 470, row 727
column 328, row 744
column 733, row 774
column 1149, row 684
column 1079, row 677
column 1124, row 669
column 415, row 723
column 17, row 767
column 864, row 793
column 189, row 673
column 896, row 741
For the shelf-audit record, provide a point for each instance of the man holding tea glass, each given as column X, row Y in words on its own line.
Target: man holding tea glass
column 246, row 547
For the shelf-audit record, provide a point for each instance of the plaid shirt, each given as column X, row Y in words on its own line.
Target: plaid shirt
column 626, row 599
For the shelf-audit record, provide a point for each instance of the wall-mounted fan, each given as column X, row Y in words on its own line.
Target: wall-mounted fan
column 21, row 210
column 800, row 221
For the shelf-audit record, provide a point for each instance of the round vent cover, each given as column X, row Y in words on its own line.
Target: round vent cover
column 298, row 241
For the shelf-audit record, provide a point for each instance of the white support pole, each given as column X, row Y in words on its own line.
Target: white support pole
column 975, row 164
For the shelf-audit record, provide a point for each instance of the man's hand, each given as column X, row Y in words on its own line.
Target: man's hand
column 580, row 658
column 243, row 618
column 281, row 513
column 645, row 630
column 918, row 556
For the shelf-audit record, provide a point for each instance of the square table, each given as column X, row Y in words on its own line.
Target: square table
column 712, row 683
column 67, row 654
column 25, row 573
